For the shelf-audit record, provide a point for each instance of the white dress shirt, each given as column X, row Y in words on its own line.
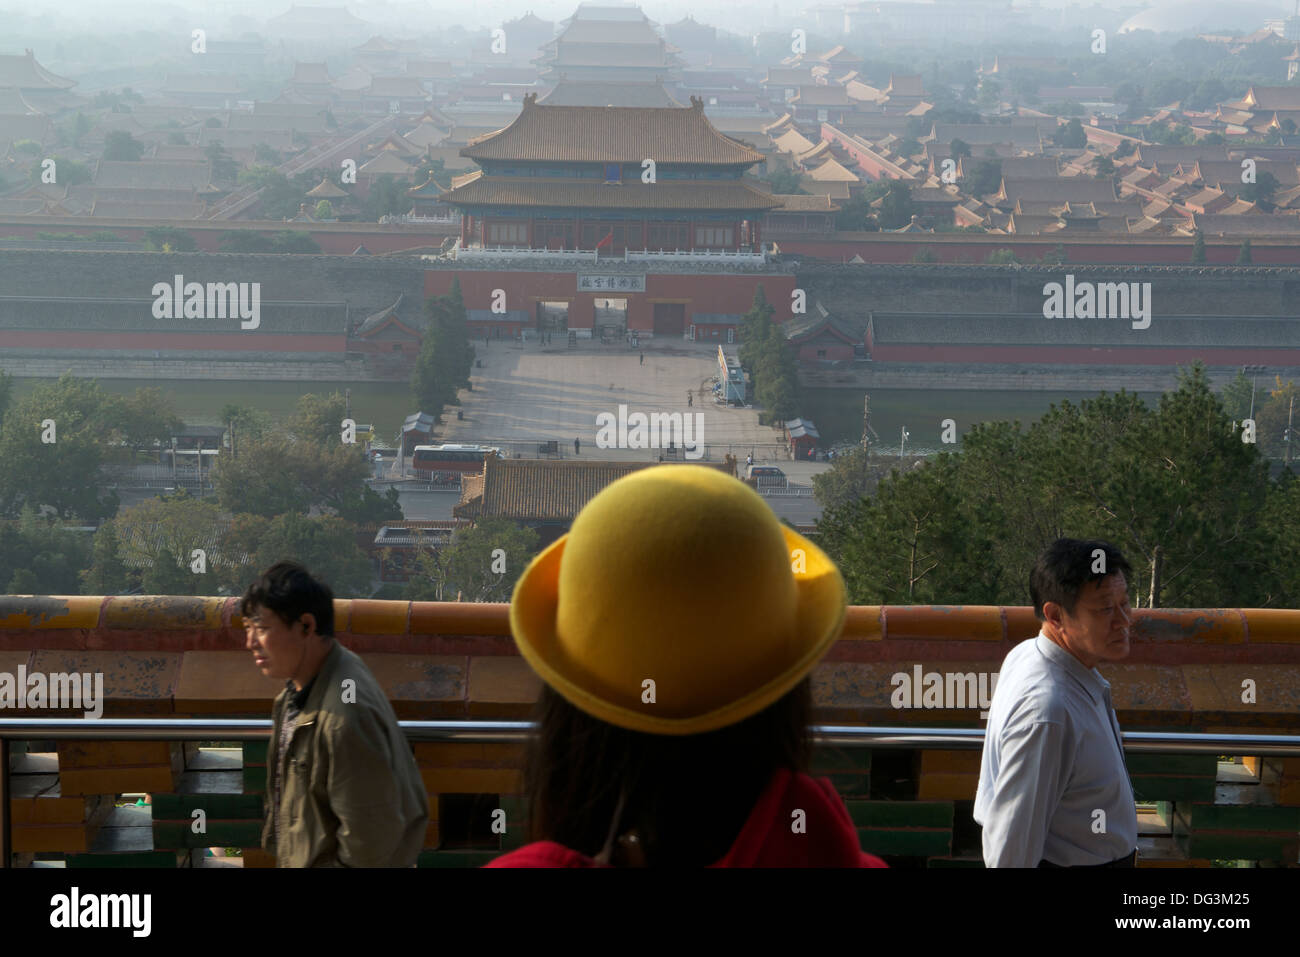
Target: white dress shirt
column 1053, row 759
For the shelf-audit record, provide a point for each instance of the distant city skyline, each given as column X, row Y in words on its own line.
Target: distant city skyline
column 79, row 16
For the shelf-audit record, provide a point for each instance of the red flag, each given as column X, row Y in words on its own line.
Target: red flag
column 607, row 241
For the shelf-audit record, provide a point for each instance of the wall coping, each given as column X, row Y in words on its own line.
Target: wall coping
column 446, row 660
column 178, row 623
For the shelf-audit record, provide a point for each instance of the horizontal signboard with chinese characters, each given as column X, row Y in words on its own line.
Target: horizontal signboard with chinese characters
column 592, row 283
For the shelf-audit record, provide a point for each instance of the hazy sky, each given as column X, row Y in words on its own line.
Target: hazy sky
column 745, row 16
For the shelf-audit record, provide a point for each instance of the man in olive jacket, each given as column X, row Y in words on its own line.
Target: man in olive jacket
column 342, row 786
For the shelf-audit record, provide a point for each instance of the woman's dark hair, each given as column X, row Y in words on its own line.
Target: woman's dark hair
column 290, row 591
column 687, row 796
column 1065, row 565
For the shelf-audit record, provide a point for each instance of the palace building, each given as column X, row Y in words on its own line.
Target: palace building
column 610, row 179
column 600, row 44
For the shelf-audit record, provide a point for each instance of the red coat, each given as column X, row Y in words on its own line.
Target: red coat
column 767, row 839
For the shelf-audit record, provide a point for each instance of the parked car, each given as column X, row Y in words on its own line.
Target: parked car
column 766, row 476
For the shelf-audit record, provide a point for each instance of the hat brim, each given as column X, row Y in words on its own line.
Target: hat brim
column 821, row 611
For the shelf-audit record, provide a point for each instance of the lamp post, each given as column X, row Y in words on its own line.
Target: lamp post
column 1254, row 370
column 1290, row 432
column 902, row 443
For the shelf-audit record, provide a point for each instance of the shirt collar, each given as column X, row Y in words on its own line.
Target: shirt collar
column 1090, row 678
column 299, row 698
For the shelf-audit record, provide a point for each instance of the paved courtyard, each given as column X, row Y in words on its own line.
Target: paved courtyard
column 524, row 395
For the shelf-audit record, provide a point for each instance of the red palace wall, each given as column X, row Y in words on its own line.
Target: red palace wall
column 974, row 249
column 700, row 294
column 1131, row 356
column 246, row 341
column 834, row 353
column 342, row 238
column 335, row 239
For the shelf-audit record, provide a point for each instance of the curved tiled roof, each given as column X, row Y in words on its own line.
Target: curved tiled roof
column 530, row 191
column 634, row 32
column 796, row 203
column 374, row 321
column 12, row 103
column 603, row 134
column 542, row 490
column 326, row 190
column 577, row 93
column 22, row 71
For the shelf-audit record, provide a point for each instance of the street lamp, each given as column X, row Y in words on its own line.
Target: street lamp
column 1253, row 370
column 1290, row 432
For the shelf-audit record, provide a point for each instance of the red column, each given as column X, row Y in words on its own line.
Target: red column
column 464, row 223
column 530, row 232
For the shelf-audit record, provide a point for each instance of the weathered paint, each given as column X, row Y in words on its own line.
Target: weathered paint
column 42, row 612
column 162, row 612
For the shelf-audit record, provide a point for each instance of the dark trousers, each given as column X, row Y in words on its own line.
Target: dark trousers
column 1128, row 860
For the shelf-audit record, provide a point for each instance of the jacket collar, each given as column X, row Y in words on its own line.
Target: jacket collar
column 1089, row 678
column 312, row 695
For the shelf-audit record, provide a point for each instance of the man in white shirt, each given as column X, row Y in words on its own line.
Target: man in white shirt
column 1054, row 789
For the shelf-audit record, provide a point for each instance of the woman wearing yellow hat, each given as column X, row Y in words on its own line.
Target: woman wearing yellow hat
column 675, row 627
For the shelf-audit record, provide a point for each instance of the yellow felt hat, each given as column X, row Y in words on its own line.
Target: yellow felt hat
column 676, row 604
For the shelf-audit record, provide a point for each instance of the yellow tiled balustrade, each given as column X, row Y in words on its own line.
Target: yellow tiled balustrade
column 1189, row 670
column 176, row 655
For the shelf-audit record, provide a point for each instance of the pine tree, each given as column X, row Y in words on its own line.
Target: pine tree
column 1198, row 248
column 457, row 326
column 754, row 329
column 107, row 574
column 426, row 385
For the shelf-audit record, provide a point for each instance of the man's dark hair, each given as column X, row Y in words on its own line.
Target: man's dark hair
column 1065, row 565
column 688, row 796
column 290, row 591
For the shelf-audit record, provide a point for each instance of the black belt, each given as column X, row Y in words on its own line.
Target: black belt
column 1128, row 860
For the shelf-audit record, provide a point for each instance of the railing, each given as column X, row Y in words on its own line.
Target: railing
column 731, row 257
column 482, row 732
column 788, row 491
column 448, row 220
column 470, row 253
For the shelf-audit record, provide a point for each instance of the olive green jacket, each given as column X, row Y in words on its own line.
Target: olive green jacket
column 352, row 795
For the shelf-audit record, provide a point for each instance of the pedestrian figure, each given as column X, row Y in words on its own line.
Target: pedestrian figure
column 643, row 358
column 343, row 789
column 690, row 400
column 1053, row 761
column 749, row 459
column 615, row 783
column 577, row 447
